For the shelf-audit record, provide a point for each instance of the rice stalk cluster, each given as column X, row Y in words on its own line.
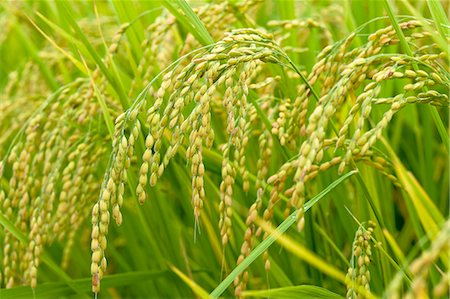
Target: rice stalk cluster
column 57, row 164
column 51, row 166
column 180, row 115
column 358, row 275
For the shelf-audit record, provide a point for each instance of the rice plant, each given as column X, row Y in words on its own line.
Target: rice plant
column 243, row 149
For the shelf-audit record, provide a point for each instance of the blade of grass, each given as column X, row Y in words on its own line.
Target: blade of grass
column 439, row 17
column 107, row 117
column 428, row 213
column 301, row 291
column 371, row 201
column 305, row 254
column 115, row 83
column 332, row 244
column 394, row 246
column 443, row 25
column 12, row 229
column 59, row 30
column 198, row 290
column 77, row 63
column 33, row 51
column 58, row 289
column 187, row 17
column 272, row 238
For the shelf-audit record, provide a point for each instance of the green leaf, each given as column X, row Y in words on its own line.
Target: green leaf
column 187, row 17
column 34, row 53
column 106, row 115
column 53, row 42
column 301, row 291
column 272, row 238
column 198, row 290
column 429, row 215
column 58, row 289
column 439, row 17
column 113, row 80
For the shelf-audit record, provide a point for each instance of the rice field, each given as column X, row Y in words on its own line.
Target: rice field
column 224, row 149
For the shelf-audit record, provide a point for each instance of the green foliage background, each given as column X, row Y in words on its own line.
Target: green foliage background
column 158, row 251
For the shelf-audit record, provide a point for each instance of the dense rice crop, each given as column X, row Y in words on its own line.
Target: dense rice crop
column 273, row 149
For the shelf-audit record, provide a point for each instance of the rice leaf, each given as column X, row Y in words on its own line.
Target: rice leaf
column 187, row 17
column 272, row 238
column 440, row 17
column 58, row 289
column 113, row 80
column 301, row 291
column 429, row 215
column 198, row 290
